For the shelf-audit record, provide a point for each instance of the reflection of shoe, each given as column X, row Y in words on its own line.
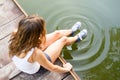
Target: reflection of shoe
column 75, row 27
column 82, row 35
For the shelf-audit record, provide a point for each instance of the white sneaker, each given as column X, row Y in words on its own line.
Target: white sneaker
column 82, row 35
column 76, row 26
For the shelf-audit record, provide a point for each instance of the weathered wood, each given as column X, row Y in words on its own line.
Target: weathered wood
column 6, row 29
column 8, row 11
column 4, row 58
column 8, row 71
column 69, row 77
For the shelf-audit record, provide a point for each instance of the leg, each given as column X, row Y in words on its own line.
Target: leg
column 52, row 37
column 54, row 49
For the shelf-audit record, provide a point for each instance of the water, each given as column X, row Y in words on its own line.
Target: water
column 98, row 56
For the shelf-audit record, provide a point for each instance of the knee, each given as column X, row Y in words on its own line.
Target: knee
column 64, row 39
column 57, row 33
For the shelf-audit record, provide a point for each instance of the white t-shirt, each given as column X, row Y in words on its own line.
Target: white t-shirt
column 24, row 65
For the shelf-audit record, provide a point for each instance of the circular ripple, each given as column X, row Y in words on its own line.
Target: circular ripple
column 93, row 50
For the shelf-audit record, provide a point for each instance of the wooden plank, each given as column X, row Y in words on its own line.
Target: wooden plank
column 4, row 58
column 69, row 77
column 8, row 28
column 8, row 11
column 9, row 17
column 8, row 71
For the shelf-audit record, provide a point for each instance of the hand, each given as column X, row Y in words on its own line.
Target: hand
column 67, row 66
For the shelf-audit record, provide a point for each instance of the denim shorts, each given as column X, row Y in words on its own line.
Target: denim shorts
column 42, row 69
column 48, row 57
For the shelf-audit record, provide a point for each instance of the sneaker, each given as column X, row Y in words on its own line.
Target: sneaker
column 76, row 26
column 82, row 35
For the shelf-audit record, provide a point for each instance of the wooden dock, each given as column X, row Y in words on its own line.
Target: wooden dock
column 10, row 15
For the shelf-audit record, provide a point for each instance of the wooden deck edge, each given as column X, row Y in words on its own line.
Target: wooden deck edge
column 16, row 3
column 60, row 58
column 76, row 77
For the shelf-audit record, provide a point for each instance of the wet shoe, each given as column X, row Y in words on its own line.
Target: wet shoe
column 82, row 35
column 75, row 27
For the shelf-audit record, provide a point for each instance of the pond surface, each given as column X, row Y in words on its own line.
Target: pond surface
column 98, row 56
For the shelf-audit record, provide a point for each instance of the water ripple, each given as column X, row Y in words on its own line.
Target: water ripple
column 93, row 50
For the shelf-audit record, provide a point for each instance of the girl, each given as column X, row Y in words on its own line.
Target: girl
column 30, row 47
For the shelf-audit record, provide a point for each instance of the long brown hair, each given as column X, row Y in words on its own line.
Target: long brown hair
column 31, row 33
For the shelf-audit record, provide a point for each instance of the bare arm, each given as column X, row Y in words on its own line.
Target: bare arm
column 43, row 61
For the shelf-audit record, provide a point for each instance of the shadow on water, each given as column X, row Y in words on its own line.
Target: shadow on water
column 98, row 56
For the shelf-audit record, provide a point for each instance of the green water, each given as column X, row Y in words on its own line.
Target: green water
column 98, row 56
